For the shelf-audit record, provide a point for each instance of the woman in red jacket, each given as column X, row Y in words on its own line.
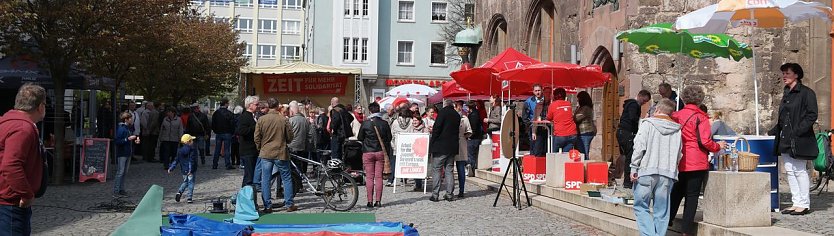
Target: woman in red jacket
column 693, row 166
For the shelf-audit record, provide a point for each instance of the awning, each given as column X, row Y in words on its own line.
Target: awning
column 18, row 70
column 300, row 67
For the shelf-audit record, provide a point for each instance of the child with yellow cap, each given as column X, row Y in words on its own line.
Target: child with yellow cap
column 186, row 157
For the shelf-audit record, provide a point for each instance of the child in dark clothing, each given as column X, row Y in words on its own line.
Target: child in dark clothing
column 186, row 157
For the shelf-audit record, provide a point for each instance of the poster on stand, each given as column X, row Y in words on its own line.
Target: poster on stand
column 94, row 159
column 412, row 156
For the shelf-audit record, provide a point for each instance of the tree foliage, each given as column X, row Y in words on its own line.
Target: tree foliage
column 458, row 11
column 161, row 48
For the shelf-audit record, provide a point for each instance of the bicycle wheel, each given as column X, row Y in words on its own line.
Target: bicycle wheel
column 817, row 180
column 339, row 191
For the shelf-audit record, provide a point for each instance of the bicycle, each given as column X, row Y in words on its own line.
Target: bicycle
column 828, row 174
column 334, row 185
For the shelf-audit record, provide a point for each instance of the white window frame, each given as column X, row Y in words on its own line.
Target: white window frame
column 446, row 20
column 365, row 8
column 215, row 3
column 286, row 4
column 294, row 57
column 348, row 4
column 354, row 50
column 237, row 24
column 222, row 19
column 445, row 46
column 285, row 29
column 364, row 50
column 264, row 5
column 268, row 57
column 346, row 49
column 413, row 18
column 412, row 53
column 357, row 8
column 263, row 30
column 248, row 50
column 250, row 4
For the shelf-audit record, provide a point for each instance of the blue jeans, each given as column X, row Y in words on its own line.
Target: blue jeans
column 187, row 182
column 461, row 167
column 538, row 147
column 654, row 189
column 15, row 220
column 336, row 148
column 219, row 141
column 286, row 178
column 563, row 142
column 472, row 147
column 122, row 163
column 256, row 179
column 585, row 143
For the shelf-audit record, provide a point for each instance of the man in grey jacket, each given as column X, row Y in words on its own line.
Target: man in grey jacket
column 654, row 167
column 301, row 131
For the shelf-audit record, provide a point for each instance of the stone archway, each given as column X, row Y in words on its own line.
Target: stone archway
column 543, row 31
column 497, row 38
column 610, row 104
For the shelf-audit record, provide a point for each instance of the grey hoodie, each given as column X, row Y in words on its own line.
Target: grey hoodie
column 657, row 148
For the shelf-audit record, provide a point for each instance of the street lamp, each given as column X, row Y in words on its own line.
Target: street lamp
column 468, row 40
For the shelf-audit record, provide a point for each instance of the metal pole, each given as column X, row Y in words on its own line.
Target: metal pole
column 755, row 80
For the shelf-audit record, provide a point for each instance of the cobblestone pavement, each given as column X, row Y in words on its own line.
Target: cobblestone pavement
column 65, row 210
column 821, row 217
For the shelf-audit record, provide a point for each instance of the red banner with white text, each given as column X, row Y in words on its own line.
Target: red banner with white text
column 305, row 84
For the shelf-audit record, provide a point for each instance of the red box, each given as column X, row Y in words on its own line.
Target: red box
column 597, row 172
column 574, row 175
column 535, row 168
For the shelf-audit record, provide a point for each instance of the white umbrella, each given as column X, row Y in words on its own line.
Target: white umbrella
column 390, row 100
column 412, row 90
column 761, row 13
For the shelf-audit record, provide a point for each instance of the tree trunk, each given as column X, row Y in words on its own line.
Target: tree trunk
column 59, row 130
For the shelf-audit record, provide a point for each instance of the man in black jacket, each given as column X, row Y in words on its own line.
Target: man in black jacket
column 474, row 142
column 629, row 122
column 340, row 130
column 199, row 127
column 246, row 131
column 444, row 145
column 222, row 122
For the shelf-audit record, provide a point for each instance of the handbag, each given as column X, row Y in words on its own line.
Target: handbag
column 386, row 166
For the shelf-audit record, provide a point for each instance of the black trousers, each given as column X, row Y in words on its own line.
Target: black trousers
column 689, row 186
column 626, row 141
column 249, row 162
column 148, row 143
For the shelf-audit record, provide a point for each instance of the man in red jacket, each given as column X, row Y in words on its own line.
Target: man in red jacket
column 21, row 163
column 564, row 128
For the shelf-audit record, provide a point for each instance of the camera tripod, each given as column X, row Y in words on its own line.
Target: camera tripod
column 514, row 166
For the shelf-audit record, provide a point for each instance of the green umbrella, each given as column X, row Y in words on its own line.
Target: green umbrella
column 663, row 38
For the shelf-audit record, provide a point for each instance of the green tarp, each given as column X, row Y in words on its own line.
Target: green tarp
column 145, row 218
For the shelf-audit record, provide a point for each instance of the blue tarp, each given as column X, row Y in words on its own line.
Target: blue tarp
column 195, row 225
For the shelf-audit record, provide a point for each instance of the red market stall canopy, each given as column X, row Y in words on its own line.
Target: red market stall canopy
column 558, row 75
column 484, row 79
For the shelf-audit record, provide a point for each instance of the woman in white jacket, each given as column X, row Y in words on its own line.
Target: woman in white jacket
column 401, row 125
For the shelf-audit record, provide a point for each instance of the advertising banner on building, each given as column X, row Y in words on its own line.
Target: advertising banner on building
column 305, row 84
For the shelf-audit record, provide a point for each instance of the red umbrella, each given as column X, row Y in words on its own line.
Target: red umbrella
column 484, row 79
column 452, row 89
column 558, row 75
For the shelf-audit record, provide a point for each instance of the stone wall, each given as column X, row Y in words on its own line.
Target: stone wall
column 728, row 83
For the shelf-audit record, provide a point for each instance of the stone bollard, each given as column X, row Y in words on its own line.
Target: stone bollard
column 555, row 174
column 485, row 157
column 737, row 199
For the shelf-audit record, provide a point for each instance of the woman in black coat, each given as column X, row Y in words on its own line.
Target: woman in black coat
column 794, row 133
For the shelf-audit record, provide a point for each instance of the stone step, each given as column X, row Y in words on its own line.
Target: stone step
column 617, row 219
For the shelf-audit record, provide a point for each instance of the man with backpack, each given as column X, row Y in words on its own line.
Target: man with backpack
column 198, row 126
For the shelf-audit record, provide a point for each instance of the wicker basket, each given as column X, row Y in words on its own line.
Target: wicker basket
column 747, row 161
